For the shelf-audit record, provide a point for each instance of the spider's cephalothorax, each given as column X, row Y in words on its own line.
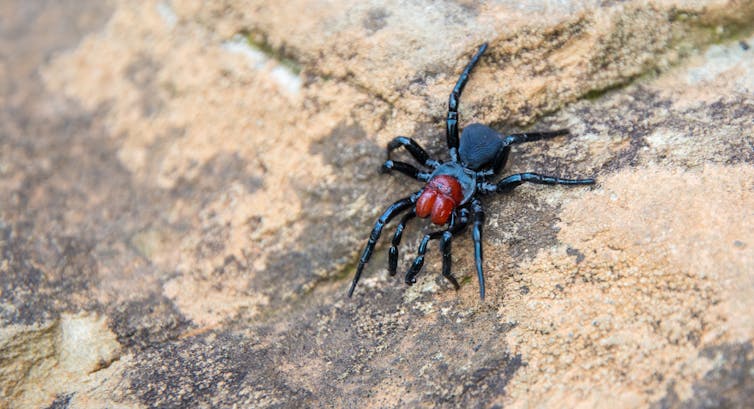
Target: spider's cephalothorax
column 452, row 190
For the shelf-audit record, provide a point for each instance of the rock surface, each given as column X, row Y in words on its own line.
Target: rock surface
column 185, row 188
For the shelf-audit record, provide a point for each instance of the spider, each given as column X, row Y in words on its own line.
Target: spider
column 453, row 188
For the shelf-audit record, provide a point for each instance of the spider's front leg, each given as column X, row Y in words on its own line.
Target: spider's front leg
column 445, row 246
column 388, row 215
column 458, row 222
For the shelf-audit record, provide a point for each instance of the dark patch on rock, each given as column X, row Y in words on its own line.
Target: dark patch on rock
column 470, row 8
column 575, row 252
column 32, row 32
column 375, row 20
column 213, row 241
column 291, row 271
column 629, row 118
column 729, row 385
column 333, row 354
column 62, row 401
column 36, row 285
column 431, row 136
column 323, row 247
column 368, row 337
column 490, row 382
column 463, row 13
column 417, row 84
column 671, row 400
column 146, row 321
column 711, row 120
column 626, row 118
column 216, row 175
column 356, row 161
column 526, row 223
column 143, row 73
column 21, row 280
column 348, row 147
column 474, row 367
column 217, row 369
column 46, row 266
column 74, row 205
column 67, row 219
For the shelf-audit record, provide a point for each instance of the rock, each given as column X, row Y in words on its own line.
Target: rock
column 542, row 54
column 186, row 187
column 52, row 360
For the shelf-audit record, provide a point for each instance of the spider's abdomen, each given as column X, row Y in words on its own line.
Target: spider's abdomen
column 442, row 194
column 479, row 146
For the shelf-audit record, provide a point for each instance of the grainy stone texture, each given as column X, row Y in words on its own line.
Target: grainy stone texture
column 185, row 187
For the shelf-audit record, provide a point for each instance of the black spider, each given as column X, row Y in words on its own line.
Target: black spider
column 452, row 190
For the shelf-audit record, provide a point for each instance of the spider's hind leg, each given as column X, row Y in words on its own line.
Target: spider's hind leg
column 502, row 156
column 476, row 206
column 451, row 123
column 533, row 136
column 509, row 183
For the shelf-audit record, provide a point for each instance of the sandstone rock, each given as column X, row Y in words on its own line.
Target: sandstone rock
column 543, row 54
column 187, row 185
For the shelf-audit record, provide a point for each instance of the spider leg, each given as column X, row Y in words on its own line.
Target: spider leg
column 413, row 148
column 405, row 168
column 501, row 159
column 476, row 206
column 533, row 136
column 502, row 156
column 451, row 123
column 393, row 253
column 463, row 221
column 389, row 213
column 456, row 224
column 509, row 183
column 419, row 260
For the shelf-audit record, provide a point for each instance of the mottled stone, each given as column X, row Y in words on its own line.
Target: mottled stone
column 543, row 54
column 185, row 188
